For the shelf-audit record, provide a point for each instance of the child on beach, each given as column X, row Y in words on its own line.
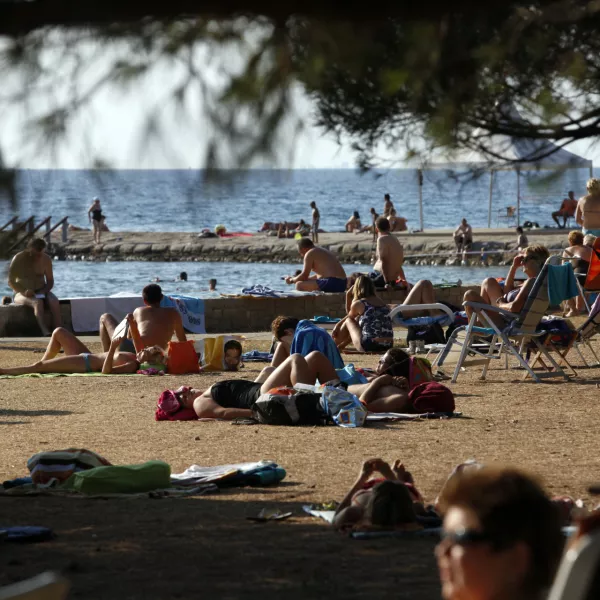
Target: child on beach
column 316, row 217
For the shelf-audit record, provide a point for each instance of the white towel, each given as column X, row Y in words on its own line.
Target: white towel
column 86, row 312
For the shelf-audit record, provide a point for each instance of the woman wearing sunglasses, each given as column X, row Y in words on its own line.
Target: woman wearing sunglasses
column 501, row 538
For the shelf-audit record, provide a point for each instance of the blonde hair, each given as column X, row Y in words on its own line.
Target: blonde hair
column 363, row 287
column 589, row 240
column 575, row 238
column 593, row 186
column 538, row 253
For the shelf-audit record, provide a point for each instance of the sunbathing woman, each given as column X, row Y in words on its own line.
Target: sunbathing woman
column 79, row 359
column 233, row 398
column 367, row 325
column 389, row 502
column 512, row 298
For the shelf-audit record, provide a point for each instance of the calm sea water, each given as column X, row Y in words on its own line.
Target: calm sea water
column 80, row 278
column 167, row 200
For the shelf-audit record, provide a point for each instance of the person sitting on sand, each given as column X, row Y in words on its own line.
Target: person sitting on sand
column 522, row 241
column 150, row 325
column 566, row 211
column 463, row 237
column 329, row 277
column 234, row 398
column 79, row 359
column 31, row 277
column 368, row 324
column 580, row 256
column 587, row 213
column 396, row 223
column 303, row 337
column 390, row 257
column 512, row 298
column 353, row 223
column 387, row 502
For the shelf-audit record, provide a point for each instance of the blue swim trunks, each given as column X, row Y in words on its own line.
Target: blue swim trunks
column 332, row 285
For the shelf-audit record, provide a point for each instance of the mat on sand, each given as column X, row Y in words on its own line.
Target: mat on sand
column 52, row 375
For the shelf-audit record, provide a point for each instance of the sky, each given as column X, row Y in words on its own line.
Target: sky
column 110, row 129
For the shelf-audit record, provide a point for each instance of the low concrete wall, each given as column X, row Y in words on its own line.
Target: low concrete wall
column 225, row 315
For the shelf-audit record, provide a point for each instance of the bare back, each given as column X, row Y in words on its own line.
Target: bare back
column 588, row 211
column 157, row 325
column 390, row 251
column 29, row 271
column 324, row 263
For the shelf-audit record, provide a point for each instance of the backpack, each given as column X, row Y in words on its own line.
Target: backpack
column 430, row 334
column 287, row 406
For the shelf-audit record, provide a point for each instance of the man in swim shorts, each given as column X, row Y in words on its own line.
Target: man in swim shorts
column 390, row 256
column 329, row 275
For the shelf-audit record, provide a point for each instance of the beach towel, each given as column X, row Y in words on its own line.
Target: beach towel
column 52, row 375
column 61, row 464
column 267, row 292
column 350, row 376
column 391, row 416
column 257, row 356
column 562, row 284
column 211, row 351
column 25, row 534
column 309, row 338
column 261, row 473
column 86, row 312
column 191, row 310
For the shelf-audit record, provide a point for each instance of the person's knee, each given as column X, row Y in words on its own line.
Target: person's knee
column 59, row 331
column 488, row 282
column 314, row 356
column 470, row 296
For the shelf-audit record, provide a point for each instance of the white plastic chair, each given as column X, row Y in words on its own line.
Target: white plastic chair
column 46, row 586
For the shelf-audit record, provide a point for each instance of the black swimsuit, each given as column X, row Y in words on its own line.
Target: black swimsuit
column 236, row 393
column 97, row 215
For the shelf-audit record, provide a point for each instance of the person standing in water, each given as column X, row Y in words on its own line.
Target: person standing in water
column 316, row 218
column 95, row 216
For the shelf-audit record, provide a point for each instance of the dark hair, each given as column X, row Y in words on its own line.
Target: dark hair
column 313, row 204
column 281, row 323
column 302, row 222
column 305, row 244
column 37, row 244
column 372, row 210
column 6, row 300
column 400, row 366
column 212, row 282
column 297, row 272
column 382, row 224
column 356, row 215
column 386, row 197
column 232, row 345
column 512, row 507
column 519, row 229
column 183, row 276
column 390, row 505
column 152, row 294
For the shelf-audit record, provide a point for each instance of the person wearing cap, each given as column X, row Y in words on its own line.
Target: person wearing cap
column 95, row 216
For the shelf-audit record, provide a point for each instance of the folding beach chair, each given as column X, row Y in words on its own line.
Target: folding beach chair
column 587, row 331
column 399, row 319
column 592, row 280
column 512, row 338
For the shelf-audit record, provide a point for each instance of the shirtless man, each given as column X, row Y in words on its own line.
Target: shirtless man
column 150, row 325
column 567, row 209
column 388, row 206
column 463, row 236
column 330, row 275
column 390, row 257
column 588, row 209
column 30, row 276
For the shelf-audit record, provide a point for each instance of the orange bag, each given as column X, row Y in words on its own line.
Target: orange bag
column 182, row 358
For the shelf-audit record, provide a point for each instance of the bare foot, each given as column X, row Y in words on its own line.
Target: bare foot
column 401, row 473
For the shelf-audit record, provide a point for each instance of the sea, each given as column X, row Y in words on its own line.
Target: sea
column 191, row 200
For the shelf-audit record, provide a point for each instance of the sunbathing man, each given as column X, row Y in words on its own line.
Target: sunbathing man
column 150, row 325
column 78, row 358
column 234, row 398
column 330, row 275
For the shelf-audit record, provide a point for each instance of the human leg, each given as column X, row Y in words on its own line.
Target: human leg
column 107, row 327
column 355, row 333
column 342, row 336
column 321, row 367
column 264, row 374
column 62, row 364
column 491, row 290
column 421, row 293
column 555, row 216
column 38, row 310
column 61, row 338
column 293, row 370
column 310, row 285
column 281, row 353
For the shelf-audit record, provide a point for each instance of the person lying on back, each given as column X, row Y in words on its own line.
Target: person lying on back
column 329, row 275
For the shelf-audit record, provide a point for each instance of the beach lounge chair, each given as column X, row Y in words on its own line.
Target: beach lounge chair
column 592, row 280
column 399, row 318
column 587, row 331
column 519, row 331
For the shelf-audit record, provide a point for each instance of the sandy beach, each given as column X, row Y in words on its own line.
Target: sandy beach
column 173, row 548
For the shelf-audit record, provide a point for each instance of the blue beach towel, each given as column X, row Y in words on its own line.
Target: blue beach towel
column 310, row 338
column 562, row 284
column 191, row 310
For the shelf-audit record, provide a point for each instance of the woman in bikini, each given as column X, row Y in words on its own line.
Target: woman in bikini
column 78, row 358
column 512, row 298
column 368, row 324
column 95, row 216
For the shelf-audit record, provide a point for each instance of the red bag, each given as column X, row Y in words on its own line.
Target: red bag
column 182, row 358
column 431, row 397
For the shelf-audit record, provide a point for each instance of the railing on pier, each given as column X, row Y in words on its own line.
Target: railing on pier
column 31, row 228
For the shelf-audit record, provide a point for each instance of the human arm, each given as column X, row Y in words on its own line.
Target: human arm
column 90, row 209
column 509, row 283
column 384, row 260
column 207, row 408
column 108, row 368
column 178, row 326
column 49, row 274
column 519, row 302
column 372, row 389
column 13, row 275
column 134, row 333
column 306, row 269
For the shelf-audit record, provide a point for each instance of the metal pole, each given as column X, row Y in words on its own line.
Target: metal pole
column 420, row 175
column 490, row 201
column 518, row 197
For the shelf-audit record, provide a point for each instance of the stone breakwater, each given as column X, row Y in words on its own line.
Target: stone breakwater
column 435, row 247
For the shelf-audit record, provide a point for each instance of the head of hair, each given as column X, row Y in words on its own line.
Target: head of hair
column 212, row 283
column 363, row 287
column 183, row 276
column 538, row 253
column 153, row 355
column 281, row 323
column 519, row 229
column 6, row 300
column 589, row 240
column 593, row 186
column 571, row 192
column 386, row 197
column 575, row 238
column 302, row 222
column 37, row 244
column 356, row 215
column 399, row 363
column 233, row 345
column 511, row 507
column 464, row 221
column 305, row 244
column 390, row 505
column 382, row 224
column 372, row 211
column 152, row 294
column 313, row 204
